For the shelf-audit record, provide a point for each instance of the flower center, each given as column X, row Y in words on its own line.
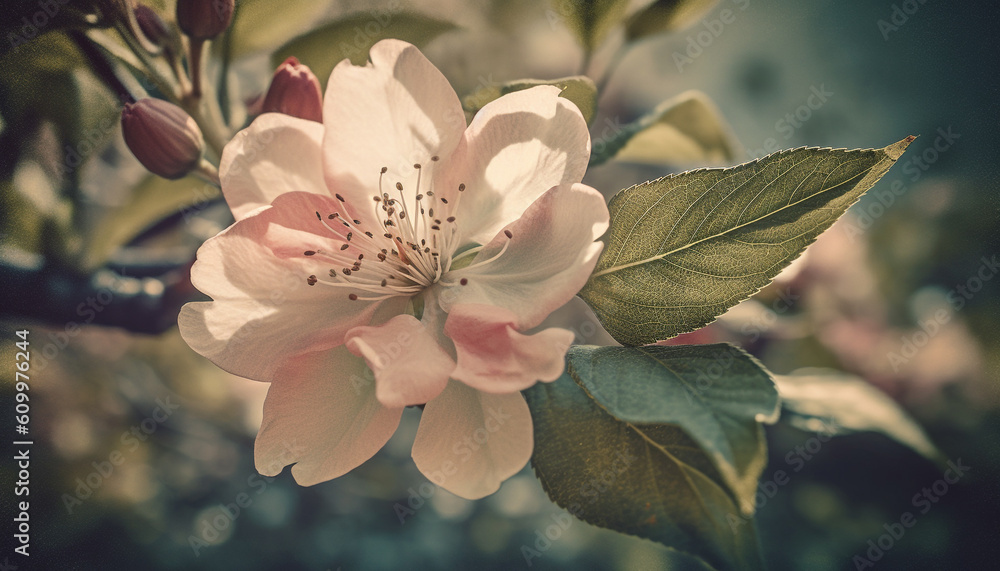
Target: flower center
column 411, row 248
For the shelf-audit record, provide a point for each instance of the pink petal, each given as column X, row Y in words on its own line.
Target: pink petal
column 515, row 149
column 551, row 255
column 469, row 442
column 493, row 357
column 397, row 111
column 410, row 367
column 264, row 312
column 322, row 415
column 274, row 155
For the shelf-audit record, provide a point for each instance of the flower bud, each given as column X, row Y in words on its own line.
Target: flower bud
column 152, row 26
column 295, row 91
column 164, row 138
column 204, row 19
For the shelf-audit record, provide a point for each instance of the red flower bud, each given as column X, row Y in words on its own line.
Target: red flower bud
column 151, row 25
column 295, row 91
column 204, row 19
column 164, row 138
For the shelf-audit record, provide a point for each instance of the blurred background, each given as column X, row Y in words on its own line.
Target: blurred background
column 82, row 223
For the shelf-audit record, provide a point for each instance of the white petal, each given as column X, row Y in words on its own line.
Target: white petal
column 495, row 358
column 469, row 442
column 276, row 154
column 550, row 257
column 397, row 111
column 516, row 148
column 264, row 312
column 410, row 367
column 321, row 414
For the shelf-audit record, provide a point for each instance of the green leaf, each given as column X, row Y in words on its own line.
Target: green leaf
column 666, row 16
column 263, row 25
column 152, row 200
column 686, row 130
column 685, row 248
column 579, row 89
column 818, row 398
column 353, row 36
column 648, row 480
column 717, row 394
column 590, row 20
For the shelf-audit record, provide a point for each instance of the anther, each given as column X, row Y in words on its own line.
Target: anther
column 356, row 221
column 384, row 169
column 451, row 219
column 309, row 253
column 349, row 236
column 347, row 271
column 461, row 187
column 399, row 186
column 435, row 158
column 334, row 215
column 311, row 280
column 384, row 282
column 353, row 297
column 344, row 247
column 340, row 198
column 464, row 281
column 508, row 234
column 319, row 217
column 416, row 165
column 444, row 200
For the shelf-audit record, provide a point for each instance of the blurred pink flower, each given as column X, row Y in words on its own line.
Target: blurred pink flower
column 390, row 241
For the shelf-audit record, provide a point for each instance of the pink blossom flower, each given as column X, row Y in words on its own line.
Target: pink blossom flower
column 390, row 257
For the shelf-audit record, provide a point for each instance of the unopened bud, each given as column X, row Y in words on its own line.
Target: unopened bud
column 204, row 19
column 295, row 91
column 152, row 25
column 164, row 138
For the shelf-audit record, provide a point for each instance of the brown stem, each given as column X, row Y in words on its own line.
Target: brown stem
column 194, row 66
